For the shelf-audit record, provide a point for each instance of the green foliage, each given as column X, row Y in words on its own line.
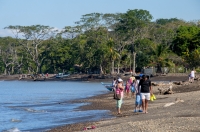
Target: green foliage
column 102, row 42
column 186, row 40
column 166, row 21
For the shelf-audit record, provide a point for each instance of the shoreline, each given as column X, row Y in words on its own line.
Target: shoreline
column 157, row 111
column 85, row 77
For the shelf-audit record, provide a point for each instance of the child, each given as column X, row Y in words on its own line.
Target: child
column 134, row 85
column 128, row 85
column 138, row 99
column 138, row 103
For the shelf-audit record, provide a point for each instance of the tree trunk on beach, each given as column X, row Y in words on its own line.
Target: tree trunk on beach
column 101, row 70
column 134, row 55
column 113, row 67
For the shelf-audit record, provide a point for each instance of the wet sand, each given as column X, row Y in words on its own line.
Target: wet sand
column 173, row 112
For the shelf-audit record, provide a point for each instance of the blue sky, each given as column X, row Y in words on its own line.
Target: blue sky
column 61, row 13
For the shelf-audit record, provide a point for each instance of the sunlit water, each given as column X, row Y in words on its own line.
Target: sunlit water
column 38, row 106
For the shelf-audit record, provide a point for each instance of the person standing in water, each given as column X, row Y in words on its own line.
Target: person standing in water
column 146, row 90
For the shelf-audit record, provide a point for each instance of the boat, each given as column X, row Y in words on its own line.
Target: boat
column 62, row 75
column 108, row 86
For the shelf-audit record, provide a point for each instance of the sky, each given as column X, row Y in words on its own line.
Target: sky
column 61, row 13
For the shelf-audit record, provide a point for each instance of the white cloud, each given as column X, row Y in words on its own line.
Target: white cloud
column 6, row 33
column 10, row 33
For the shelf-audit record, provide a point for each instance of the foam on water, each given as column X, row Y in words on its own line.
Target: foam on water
column 15, row 120
column 12, row 130
column 35, row 111
column 32, row 106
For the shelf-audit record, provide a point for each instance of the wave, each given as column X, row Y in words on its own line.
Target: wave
column 12, row 130
column 15, row 120
column 35, row 111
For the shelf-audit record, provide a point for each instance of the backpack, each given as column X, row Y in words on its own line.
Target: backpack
column 117, row 94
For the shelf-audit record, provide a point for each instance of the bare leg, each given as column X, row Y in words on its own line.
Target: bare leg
column 146, row 105
column 118, row 110
column 143, row 105
column 133, row 94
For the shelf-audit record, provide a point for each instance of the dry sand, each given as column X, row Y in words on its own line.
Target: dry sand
column 176, row 112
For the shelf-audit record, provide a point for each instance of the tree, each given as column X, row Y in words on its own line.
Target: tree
column 131, row 25
column 186, row 39
column 160, row 56
column 31, row 37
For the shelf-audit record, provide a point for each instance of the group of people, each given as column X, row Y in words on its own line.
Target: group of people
column 141, row 89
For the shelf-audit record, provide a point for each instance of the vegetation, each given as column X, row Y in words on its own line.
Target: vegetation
column 103, row 44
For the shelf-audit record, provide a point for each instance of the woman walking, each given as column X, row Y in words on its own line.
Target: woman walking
column 146, row 90
column 120, row 87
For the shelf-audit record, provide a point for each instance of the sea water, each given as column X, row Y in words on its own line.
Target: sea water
column 41, row 105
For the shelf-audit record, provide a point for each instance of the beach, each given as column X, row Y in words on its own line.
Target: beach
column 171, row 112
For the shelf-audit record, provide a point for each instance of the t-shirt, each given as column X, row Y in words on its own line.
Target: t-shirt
column 192, row 74
column 113, row 83
column 145, row 85
column 122, row 91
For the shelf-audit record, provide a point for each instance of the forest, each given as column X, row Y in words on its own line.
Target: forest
column 103, row 44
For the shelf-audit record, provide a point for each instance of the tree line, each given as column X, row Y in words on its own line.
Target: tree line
column 102, row 43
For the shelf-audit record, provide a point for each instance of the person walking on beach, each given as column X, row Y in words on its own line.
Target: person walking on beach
column 121, row 88
column 127, row 88
column 146, row 89
column 114, row 82
column 47, row 75
column 134, row 86
column 192, row 76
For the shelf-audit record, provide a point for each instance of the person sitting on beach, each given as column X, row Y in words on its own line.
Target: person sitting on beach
column 121, row 87
column 146, row 89
column 127, row 88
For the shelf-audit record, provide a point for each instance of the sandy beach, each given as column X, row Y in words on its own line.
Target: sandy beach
column 172, row 112
column 176, row 112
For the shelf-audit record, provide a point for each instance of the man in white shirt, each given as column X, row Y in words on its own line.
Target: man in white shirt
column 192, row 76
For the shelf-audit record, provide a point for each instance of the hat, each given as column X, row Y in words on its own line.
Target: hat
column 120, row 80
column 132, row 78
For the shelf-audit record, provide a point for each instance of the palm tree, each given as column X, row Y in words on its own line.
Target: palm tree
column 113, row 53
column 160, row 56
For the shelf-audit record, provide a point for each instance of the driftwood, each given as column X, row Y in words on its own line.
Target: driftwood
column 166, row 91
column 182, row 83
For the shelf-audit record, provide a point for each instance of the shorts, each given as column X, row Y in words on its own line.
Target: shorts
column 133, row 89
column 138, row 100
column 119, row 103
column 128, row 90
column 145, row 96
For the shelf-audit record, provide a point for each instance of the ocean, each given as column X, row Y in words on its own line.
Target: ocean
column 36, row 106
